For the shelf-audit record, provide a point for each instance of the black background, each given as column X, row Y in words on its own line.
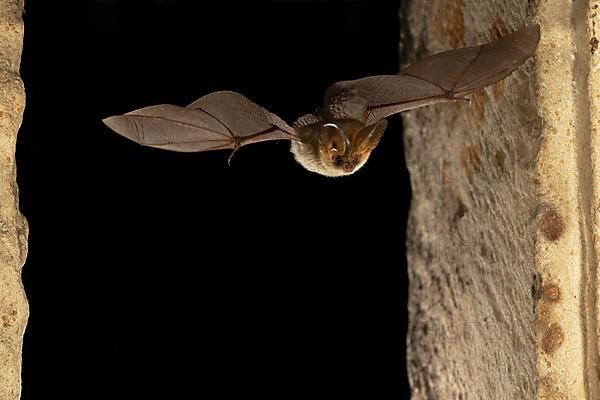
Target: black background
column 159, row 274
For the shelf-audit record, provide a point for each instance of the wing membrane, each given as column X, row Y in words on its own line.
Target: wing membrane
column 446, row 76
column 220, row 120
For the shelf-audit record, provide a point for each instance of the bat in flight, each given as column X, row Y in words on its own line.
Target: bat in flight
column 338, row 140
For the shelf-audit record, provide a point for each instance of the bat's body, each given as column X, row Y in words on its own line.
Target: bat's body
column 338, row 140
column 336, row 148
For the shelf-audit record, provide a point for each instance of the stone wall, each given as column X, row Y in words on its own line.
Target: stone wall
column 503, row 228
column 13, row 227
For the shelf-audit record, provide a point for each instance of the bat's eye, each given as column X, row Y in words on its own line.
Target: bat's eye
column 336, row 146
column 334, row 143
column 336, row 150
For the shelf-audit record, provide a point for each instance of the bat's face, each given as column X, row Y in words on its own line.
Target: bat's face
column 337, row 148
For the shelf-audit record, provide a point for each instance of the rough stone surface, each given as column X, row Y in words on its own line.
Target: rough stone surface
column 13, row 227
column 503, row 231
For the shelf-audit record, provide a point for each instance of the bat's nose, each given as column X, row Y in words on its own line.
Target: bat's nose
column 349, row 166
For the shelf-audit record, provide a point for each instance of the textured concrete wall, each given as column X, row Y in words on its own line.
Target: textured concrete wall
column 13, row 227
column 503, row 229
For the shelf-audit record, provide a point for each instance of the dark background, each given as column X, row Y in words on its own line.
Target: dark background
column 159, row 274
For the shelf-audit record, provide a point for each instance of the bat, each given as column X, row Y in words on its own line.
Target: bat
column 338, row 139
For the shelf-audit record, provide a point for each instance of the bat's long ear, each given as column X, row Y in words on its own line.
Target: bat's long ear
column 368, row 138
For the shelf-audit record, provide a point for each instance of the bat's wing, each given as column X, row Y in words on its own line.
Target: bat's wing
column 447, row 76
column 220, row 120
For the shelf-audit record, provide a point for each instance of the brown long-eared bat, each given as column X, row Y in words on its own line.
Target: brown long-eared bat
column 338, row 139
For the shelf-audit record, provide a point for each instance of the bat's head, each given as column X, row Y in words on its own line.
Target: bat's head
column 337, row 148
